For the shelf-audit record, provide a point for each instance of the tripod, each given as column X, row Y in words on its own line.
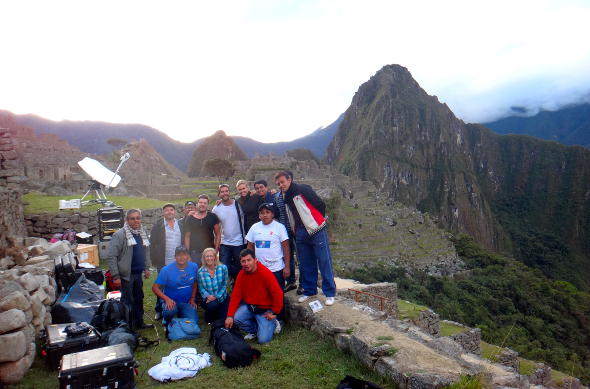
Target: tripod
column 98, row 197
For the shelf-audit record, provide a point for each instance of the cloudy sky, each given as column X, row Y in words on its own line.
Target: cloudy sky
column 277, row 70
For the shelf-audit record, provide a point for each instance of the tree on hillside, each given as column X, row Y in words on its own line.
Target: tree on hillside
column 221, row 168
column 117, row 142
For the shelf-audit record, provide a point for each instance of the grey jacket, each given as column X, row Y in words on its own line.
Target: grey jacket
column 120, row 255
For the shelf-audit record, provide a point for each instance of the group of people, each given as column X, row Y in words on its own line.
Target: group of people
column 244, row 244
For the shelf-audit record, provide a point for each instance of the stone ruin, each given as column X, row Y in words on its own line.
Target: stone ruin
column 410, row 352
column 27, row 290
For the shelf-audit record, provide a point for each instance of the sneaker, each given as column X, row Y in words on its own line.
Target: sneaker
column 290, row 286
column 329, row 300
column 250, row 336
column 304, row 298
column 278, row 327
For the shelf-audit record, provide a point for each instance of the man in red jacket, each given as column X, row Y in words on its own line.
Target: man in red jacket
column 256, row 300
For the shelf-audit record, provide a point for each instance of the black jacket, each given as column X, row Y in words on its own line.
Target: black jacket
column 158, row 242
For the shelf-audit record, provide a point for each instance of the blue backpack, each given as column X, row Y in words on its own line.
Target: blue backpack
column 181, row 328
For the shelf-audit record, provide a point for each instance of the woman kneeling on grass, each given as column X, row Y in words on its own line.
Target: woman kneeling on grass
column 213, row 286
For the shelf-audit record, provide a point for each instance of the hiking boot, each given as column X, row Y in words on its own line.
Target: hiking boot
column 300, row 290
column 290, row 286
column 249, row 336
column 304, row 298
column 329, row 300
column 278, row 327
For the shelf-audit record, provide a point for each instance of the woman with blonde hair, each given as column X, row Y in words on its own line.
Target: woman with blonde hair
column 213, row 277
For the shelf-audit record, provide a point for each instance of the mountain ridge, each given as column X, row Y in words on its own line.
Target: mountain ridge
column 91, row 137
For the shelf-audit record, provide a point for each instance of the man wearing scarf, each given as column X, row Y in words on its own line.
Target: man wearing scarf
column 129, row 259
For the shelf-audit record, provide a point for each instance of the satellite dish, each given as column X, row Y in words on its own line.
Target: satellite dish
column 101, row 176
column 99, row 173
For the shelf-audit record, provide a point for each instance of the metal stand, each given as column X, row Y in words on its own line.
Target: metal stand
column 97, row 193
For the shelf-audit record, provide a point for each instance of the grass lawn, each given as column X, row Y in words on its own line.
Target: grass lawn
column 296, row 358
column 448, row 329
column 38, row 202
column 408, row 310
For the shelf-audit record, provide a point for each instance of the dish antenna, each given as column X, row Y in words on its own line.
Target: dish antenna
column 102, row 178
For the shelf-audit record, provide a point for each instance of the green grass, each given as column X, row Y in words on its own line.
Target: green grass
column 526, row 367
column 448, row 329
column 408, row 310
column 467, row 382
column 37, row 202
column 490, row 351
column 296, row 358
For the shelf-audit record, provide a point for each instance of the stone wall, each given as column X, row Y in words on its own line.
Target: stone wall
column 27, row 289
column 470, row 339
column 11, row 175
column 368, row 296
column 429, row 321
column 46, row 224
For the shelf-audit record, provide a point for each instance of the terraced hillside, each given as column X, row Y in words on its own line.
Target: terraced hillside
column 368, row 229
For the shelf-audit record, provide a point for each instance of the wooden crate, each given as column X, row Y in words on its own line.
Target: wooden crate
column 88, row 253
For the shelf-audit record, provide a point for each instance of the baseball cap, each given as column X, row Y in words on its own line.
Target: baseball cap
column 268, row 206
column 180, row 249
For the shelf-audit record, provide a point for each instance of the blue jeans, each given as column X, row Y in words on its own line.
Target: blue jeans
column 255, row 324
column 184, row 310
column 314, row 253
column 215, row 310
column 132, row 297
column 291, row 278
column 230, row 257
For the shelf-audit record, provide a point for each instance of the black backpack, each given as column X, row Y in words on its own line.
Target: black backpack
column 120, row 334
column 230, row 346
column 110, row 314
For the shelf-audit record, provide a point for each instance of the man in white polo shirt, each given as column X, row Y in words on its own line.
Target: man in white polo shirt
column 270, row 241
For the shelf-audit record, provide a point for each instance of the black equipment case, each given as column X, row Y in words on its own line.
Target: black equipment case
column 56, row 343
column 102, row 368
column 109, row 221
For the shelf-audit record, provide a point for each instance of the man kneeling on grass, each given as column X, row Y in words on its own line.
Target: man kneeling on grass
column 176, row 285
column 256, row 300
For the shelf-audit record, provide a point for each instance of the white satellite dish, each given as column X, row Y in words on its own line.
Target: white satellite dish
column 99, row 173
column 101, row 176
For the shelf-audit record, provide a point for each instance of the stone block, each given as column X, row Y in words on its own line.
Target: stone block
column 428, row 381
column 342, row 341
column 360, row 350
column 36, row 305
column 37, row 259
column 58, row 248
column 14, row 300
column 35, row 251
column 388, row 367
column 13, row 346
column 11, row 320
column 20, row 257
column 13, row 372
column 41, row 295
column 29, row 332
column 81, row 228
column 29, row 282
column 51, row 294
column 6, row 263
column 9, row 286
column 67, row 225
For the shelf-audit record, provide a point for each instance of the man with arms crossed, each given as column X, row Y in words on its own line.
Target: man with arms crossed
column 201, row 230
column 232, row 235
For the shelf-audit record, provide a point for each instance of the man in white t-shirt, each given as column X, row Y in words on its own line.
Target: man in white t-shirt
column 232, row 236
column 270, row 241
